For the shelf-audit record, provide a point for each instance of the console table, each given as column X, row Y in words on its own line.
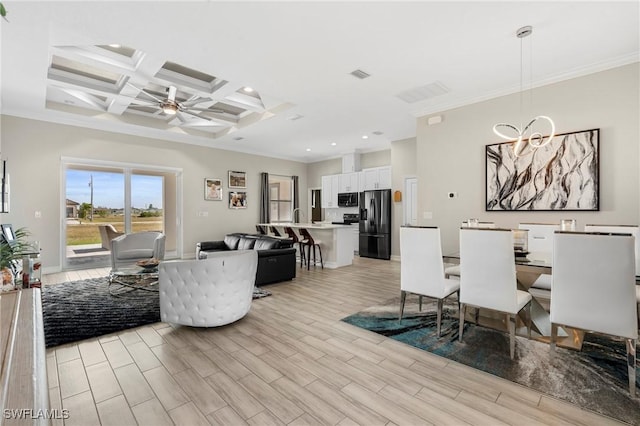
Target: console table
column 23, row 375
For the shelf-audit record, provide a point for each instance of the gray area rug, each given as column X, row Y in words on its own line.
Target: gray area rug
column 79, row 310
column 594, row 378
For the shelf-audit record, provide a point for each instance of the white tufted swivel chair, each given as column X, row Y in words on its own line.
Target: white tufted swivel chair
column 421, row 268
column 488, row 277
column 207, row 293
column 594, row 288
column 129, row 248
column 540, row 243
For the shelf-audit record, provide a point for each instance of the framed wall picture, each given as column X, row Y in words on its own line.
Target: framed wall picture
column 237, row 200
column 563, row 175
column 237, row 179
column 212, row 189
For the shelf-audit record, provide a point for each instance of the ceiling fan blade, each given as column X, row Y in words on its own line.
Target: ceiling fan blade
column 142, row 102
column 195, row 101
column 217, row 111
column 181, row 117
column 145, row 92
column 201, row 121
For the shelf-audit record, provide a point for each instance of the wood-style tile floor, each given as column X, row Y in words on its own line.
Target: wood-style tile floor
column 290, row 361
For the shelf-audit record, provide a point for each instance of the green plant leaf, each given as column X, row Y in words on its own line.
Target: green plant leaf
column 3, row 12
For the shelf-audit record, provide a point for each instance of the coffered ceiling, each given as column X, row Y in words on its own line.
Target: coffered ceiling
column 299, row 80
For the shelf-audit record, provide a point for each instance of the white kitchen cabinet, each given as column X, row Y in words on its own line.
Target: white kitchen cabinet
column 349, row 182
column 376, row 178
column 330, row 189
column 355, row 228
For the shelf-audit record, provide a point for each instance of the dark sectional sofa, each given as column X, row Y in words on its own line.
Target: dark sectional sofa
column 276, row 257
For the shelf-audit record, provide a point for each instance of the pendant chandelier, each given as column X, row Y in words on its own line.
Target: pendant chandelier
column 526, row 137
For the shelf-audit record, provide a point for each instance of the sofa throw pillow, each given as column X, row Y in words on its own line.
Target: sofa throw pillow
column 246, row 243
column 266, row 244
column 232, row 241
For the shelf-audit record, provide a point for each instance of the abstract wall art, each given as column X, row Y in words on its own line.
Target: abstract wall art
column 562, row 175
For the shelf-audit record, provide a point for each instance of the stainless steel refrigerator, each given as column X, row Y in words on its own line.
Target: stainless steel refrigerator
column 375, row 224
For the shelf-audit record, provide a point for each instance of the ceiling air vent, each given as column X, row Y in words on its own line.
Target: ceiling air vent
column 378, row 133
column 295, row 117
column 360, row 74
column 238, row 138
column 422, row 93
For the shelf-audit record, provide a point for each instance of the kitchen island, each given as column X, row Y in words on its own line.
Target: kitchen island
column 336, row 241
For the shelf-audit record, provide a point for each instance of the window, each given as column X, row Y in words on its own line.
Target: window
column 280, row 198
column 102, row 195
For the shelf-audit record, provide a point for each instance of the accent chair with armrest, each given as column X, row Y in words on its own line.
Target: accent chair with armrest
column 108, row 233
column 129, row 248
column 209, row 292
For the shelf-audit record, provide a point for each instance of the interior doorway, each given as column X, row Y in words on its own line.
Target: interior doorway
column 410, row 201
column 316, row 209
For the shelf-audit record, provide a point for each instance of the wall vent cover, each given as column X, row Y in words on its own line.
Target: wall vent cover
column 360, row 74
column 422, row 93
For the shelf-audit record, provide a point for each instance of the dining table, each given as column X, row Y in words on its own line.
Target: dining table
column 528, row 269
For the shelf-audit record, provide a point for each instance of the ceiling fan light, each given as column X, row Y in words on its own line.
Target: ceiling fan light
column 169, row 108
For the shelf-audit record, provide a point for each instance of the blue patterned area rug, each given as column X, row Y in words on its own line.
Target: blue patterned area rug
column 80, row 310
column 594, row 378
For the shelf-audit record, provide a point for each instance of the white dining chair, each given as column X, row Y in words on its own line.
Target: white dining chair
column 488, row 277
column 540, row 242
column 593, row 288
column 454, row 270
column 422, row 270
column 621, row 229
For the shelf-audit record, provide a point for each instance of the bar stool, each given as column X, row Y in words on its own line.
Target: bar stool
column 310, row 242
column 294, row 237
column 261, row 230
column 275, row 231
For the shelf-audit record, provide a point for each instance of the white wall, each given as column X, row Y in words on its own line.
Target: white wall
column 451, row 156
column 34, row 150
column 404, row 165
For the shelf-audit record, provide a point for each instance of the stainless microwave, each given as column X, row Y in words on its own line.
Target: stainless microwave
column 348, row 199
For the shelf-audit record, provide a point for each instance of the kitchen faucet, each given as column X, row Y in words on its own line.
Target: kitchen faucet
column 294, row 214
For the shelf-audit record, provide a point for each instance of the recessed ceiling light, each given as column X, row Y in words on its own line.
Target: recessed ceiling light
column 333, row 144
column 248, row 89
column 308, row 149
column 365, row 137
column 115, row 46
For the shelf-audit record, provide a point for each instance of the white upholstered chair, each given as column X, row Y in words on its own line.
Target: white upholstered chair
column 210, row 292
column 594, row 288
column 129, row 248
column 488, row 277
column 621, row 229
column 540, row 242
column 454, row 270
column 421, row 268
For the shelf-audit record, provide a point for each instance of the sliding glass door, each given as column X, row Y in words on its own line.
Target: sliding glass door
column 102, row 201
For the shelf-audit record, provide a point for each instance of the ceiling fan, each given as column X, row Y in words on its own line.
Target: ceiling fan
column 171, row 107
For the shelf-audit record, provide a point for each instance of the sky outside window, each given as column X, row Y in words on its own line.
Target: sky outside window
column 108, row 189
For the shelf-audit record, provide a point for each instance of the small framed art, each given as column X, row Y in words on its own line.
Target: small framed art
column 237, row 179
column 213, row 189
column 237, row 200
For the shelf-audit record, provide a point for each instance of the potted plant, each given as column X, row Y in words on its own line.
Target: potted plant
column 11, row 257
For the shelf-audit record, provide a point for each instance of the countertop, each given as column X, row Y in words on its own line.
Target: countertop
column 317, row 225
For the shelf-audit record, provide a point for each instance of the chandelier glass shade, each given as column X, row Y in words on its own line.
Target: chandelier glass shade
column 526, row 138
